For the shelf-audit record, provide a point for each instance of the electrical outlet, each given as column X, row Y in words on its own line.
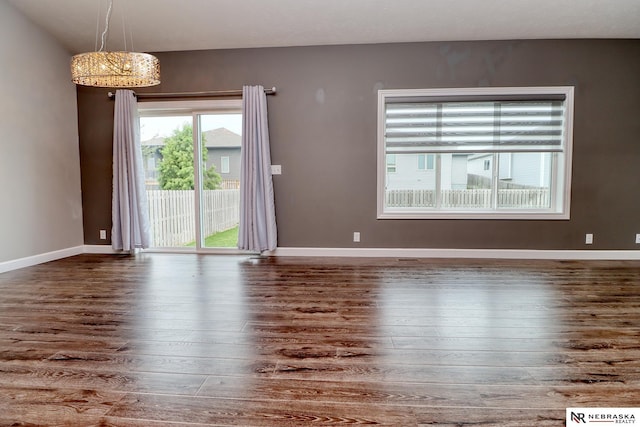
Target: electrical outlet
column 356, row 236
column 276, row 169
column 103, row 234
column 638, row 238
column 588, row 239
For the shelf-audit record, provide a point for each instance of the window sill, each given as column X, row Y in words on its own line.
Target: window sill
column 492, row 215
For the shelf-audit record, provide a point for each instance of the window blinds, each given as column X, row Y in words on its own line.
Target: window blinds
column 473, row 126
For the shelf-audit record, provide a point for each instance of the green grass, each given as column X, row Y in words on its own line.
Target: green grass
column 223, row 239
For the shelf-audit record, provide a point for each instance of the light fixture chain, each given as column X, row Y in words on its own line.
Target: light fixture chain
column 124, row 32
column 126, row 20
column 98, row 25
column 106, row 26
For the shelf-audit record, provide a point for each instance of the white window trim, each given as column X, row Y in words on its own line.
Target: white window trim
column 561, row 201
column 158, row 108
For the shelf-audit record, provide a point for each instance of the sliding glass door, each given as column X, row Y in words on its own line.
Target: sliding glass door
column 220, row 186
column 191, row 153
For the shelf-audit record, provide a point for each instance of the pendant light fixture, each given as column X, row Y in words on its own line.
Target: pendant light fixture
column 121, row 69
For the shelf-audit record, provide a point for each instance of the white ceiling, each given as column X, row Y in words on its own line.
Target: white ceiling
column 167, row 25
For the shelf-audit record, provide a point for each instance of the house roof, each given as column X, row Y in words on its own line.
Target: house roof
column 153, row 142
column 214, row 138
column 172, row 25
column 222, row 138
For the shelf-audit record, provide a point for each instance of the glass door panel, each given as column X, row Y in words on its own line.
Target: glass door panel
column 167, row 150
column 220, row 179
column 191, row 153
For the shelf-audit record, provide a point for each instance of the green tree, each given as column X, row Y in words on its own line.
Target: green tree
column 176, row 166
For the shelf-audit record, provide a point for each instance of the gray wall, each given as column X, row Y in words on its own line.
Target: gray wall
column 323, row 133
column 39, row 162
column 214, row 158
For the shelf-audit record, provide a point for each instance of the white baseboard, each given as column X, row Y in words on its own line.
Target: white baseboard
column 613, row 255
column 40, row 258
column 99, row 249
column 107, row 249
column 459, row 253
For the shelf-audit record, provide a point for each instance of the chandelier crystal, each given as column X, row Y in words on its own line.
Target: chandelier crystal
column 121, row 69
column 115, row 69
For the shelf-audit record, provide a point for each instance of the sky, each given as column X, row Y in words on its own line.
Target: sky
column 151, row 127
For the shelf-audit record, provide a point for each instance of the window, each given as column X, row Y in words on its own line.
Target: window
column 426, row 161
column 224, row 164
column 495, row 153
column 391, row 163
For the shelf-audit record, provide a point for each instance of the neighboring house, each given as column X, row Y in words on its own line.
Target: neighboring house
column 223, row 152
column 151, row 158
column 417, row 171
column 521, row 170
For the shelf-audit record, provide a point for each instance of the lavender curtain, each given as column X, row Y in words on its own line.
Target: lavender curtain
column 129, row 214
column 257, row 230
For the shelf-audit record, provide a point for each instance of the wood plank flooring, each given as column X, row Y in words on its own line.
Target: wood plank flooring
column 201, row 340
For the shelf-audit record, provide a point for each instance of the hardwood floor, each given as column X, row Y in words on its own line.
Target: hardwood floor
column 187, row 340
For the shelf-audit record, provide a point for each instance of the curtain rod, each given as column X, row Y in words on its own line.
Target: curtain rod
column 210, row 94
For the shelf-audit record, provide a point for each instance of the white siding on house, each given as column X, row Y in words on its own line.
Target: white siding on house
column 459, row 172
column 446, row 160
column 476, row 164
column 505, row 164
column 526, row 169
column 531, row 169
column 408, row 176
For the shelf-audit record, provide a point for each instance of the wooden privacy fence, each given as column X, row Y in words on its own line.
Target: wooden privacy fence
column 230, row 184
column 172, row 214
column 530, row 198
